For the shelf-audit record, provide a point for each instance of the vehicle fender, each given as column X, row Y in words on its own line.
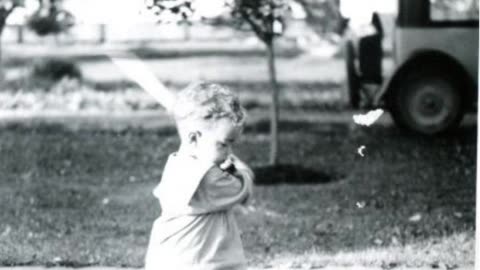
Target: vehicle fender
column 424, row 58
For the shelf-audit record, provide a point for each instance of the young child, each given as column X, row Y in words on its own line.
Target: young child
column 200, row 185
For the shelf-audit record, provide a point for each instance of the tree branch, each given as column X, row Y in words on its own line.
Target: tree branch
column 4, row 13
column 9, row 11
column 256, row 29
column 329, row 19
column 335, row 9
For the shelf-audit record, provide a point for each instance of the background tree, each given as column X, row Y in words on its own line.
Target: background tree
column 6, row 8
column 324, row 16
column 50, row 18
column 265, row 18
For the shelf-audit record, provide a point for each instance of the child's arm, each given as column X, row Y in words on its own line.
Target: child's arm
column 220, row 190
column 246, row 174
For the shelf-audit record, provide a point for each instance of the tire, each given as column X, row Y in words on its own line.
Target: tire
column 428, row 103
column 353, row 79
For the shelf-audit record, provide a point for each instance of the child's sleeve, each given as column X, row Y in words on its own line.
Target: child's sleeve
column 180, row 180
column 220, row 190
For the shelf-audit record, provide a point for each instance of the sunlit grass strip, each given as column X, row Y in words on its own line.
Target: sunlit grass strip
column 456, row 250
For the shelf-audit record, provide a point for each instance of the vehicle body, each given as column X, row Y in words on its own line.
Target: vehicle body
column 434, row 79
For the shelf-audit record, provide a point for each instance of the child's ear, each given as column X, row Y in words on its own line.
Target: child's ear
column 194, row 136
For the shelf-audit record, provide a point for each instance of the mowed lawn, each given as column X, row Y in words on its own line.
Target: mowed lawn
column 84, row 197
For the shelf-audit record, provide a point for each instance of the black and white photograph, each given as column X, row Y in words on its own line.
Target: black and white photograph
column 239, row 134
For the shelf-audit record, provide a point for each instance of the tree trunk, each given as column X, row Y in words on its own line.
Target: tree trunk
column 2, row 72
column 187, row 35
column 274, row 111
column 20, row 34
column 102, row 30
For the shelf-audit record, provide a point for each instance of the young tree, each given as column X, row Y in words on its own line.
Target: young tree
column 6, row 8
column 266, row 19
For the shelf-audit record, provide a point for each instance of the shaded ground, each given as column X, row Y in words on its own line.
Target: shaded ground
column 84, row 197
column 23, row 55
column 214, row 68
column 20, row 54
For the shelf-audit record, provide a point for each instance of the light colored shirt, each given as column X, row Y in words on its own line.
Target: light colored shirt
column 197, row 227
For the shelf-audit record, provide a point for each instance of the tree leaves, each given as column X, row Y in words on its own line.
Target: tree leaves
column 50, row 19
column 167, row 11
column 266, row 18
column 262, row 16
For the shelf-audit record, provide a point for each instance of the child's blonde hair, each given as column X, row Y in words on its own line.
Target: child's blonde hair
column 206, row 103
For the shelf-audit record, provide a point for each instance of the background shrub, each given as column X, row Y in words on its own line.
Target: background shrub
column 55, row 69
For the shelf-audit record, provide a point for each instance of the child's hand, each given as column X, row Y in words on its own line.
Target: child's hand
column 226, row 164
column 242, row 167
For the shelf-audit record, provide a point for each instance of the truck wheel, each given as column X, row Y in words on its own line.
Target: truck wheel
column 428, row 103
column 353, row 79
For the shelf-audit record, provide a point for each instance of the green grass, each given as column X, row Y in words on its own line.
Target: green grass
column 79, row 198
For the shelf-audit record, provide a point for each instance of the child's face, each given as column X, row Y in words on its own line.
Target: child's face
column 215, row 144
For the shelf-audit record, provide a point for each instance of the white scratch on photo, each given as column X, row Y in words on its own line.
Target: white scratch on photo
column 105, row 201
column 360, row 150
column 415, row 218
column 369, row 118
column 361, row 204
column 139, row 72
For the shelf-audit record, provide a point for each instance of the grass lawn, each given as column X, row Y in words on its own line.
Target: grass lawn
column 80, row 198
column 213, row 68
column 124, row 96
column 179, row 64
column 17, row 55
